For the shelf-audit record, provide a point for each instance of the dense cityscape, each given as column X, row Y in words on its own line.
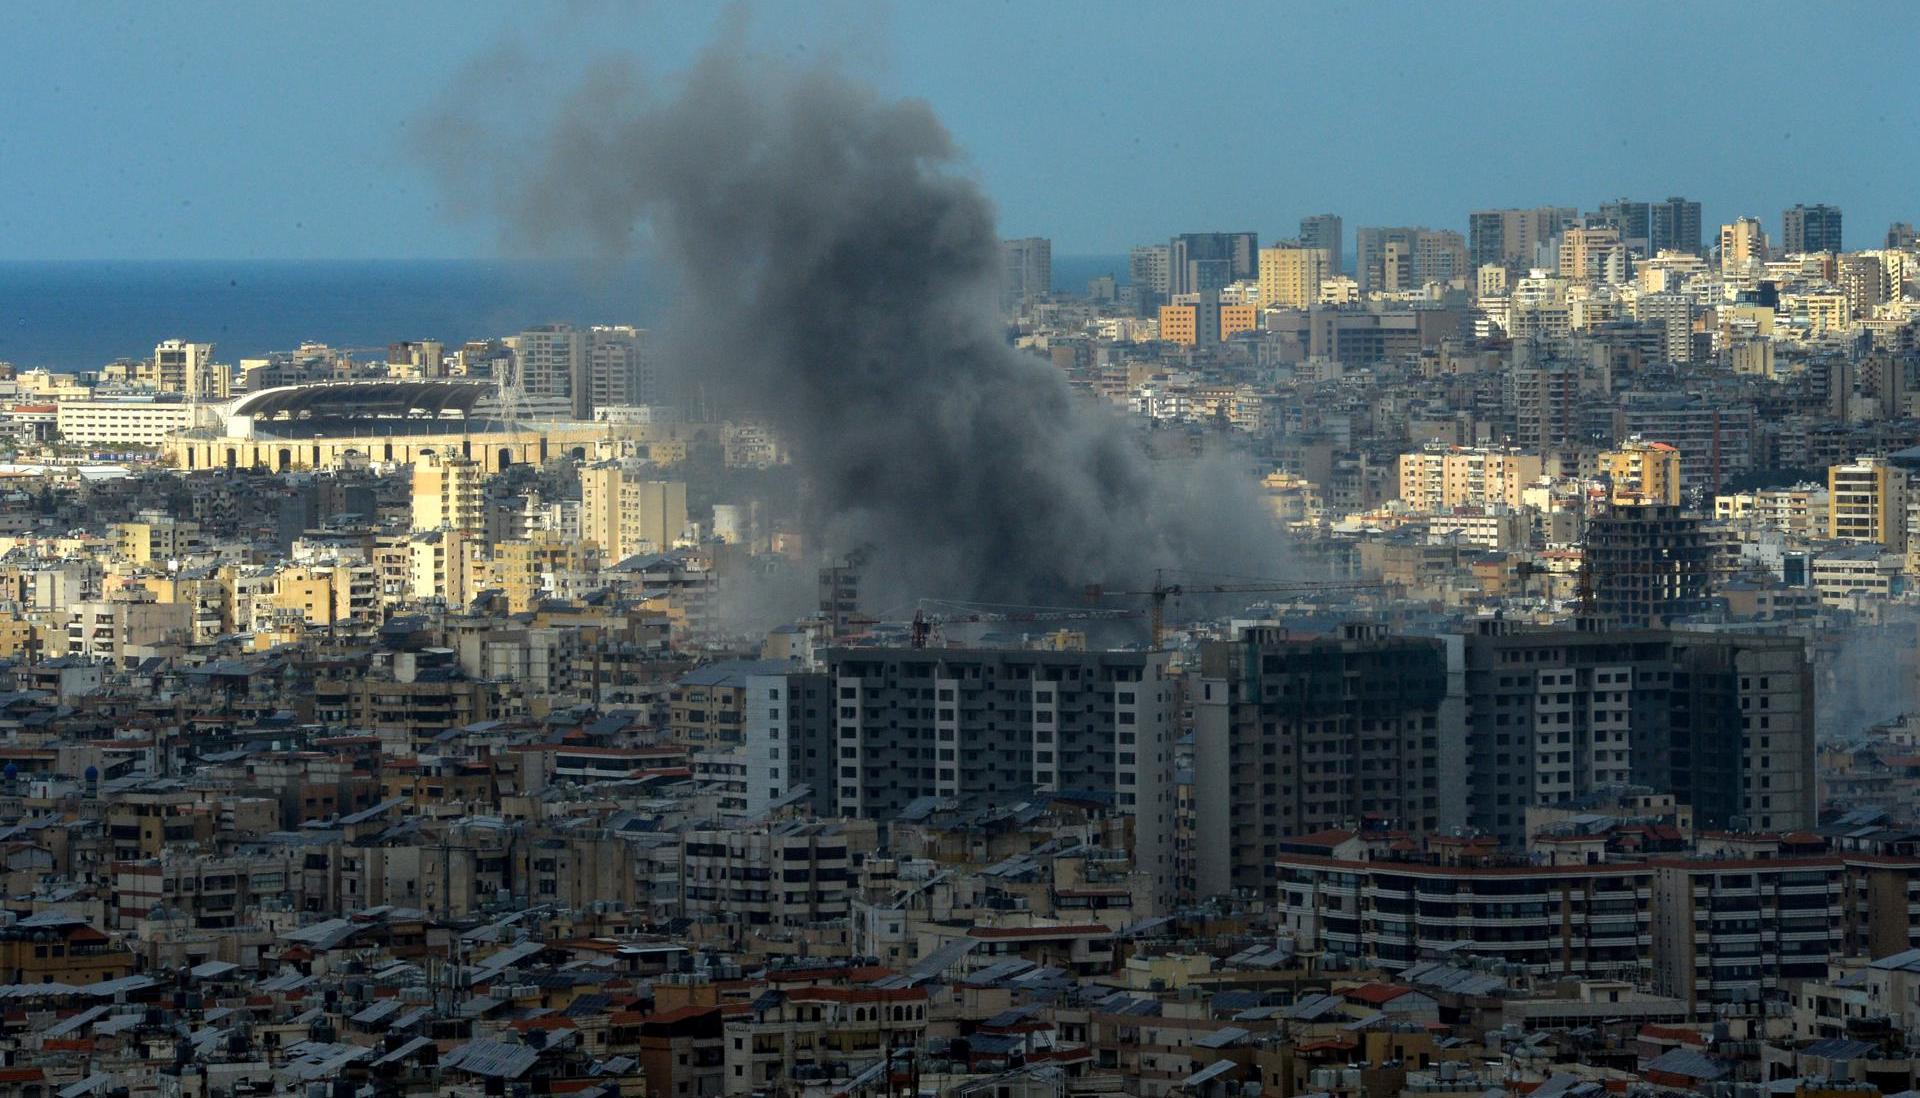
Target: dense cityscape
column 425, row 717
column 1308, row 658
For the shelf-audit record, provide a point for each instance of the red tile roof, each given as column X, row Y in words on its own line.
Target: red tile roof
column 1376, row 994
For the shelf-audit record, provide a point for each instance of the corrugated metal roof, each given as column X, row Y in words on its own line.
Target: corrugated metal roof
column 495, row 1059
column 1209, row 1073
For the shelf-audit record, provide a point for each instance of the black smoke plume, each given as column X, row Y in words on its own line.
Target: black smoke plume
column 837, row 273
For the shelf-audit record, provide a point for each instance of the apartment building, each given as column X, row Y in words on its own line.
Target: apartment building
column 207, row 892
column 448, row 493
column 551, row 364
column 820, row 1036
column 155, row 536
column 620, row 372
column 1799, row 511
column 1439, row 477
column 1296, row 735
column 782, row 874
column 902, row 724
column 1723, row 721
column 626, row 511
column 786, row 758
column 1291, row 273
column 121, row 422
column 1643, row 472
column 1739, row 931
column 1867, row 502
column 1715, row 439
column 1854, row 575
column 1588, row 921
column 1648, row 564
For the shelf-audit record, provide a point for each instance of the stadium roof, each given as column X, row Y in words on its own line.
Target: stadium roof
column 364, row 398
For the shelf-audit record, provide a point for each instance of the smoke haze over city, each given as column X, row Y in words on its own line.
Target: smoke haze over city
column 864, row 267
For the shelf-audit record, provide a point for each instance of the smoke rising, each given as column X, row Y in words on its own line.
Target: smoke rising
column 838, row 273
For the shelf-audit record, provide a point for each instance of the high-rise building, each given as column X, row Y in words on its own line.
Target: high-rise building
column 1647, row 565
column 1486, row 239
column 1864, row 279
column 1900, row 234
column 1867, row 502
column 1440, row 255
column 448, row 493
column 1741, row 243
column 899, row 724
column 1632, row 220
column 1396, row 266
column 624, row 511
column 619, row 371
column 1404, row 258
column 1593, row 255
column 182, row 367
column 1723, row 721
column 1291, row 273
column 1649, row 228
column 1293, row 736
column 1714, row 437
column 1806, row 229
column 1515, row 239
column 1672, row 313
column 1149, row 273
column 1029, row 269
column 1673, row 226
column 1197, row 262
column 1324, row 231
column 1705, row 946
column 1546, row 400
column 550, row 365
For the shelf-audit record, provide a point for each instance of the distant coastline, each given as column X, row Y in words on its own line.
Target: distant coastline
column 81, row 315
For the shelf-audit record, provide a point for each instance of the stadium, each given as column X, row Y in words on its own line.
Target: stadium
column 336, row 424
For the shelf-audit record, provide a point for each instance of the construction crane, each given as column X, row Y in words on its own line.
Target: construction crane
column 930, row 614
column 1162, row 590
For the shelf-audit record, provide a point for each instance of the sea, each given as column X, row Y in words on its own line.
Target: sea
column 78, row 316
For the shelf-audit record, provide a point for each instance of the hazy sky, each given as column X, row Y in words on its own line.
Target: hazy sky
column 196, row 130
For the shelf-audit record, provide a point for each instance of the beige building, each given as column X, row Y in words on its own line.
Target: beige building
column 447, row 493
column 183, row 367
column 1643, row 472
column 1438, row 477
column 1867, row 502
column 155, row 536
column 528, row 569
column 1593, row 255
column 1742, row 243
column 1800, row 511
column 624, row 511
column 1290, row 275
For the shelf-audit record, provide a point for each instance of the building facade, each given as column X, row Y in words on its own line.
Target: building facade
column 1294, row 735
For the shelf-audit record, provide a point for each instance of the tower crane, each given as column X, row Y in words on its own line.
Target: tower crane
column 1162, row 590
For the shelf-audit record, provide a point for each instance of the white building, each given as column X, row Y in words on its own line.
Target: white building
column 122, row 423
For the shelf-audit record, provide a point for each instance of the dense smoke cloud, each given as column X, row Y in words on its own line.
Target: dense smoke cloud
column 838, row 275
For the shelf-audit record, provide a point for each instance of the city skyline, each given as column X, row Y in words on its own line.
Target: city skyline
column 139, row 135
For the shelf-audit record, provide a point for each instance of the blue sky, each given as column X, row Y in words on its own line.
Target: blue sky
column 211, row 130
